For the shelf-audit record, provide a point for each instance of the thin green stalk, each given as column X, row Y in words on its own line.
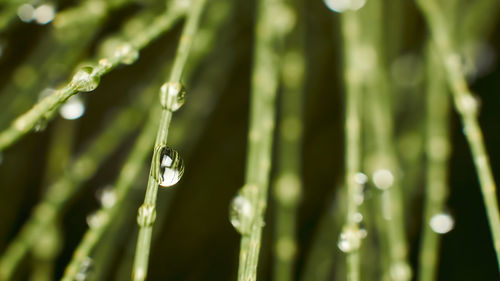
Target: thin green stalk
column 265, row 78
column 383, row 164
column 72, row 31
column 437, row 153
column 128, row 176
column 467, row 107
column 350, row 240
column 287, row 186
column 171, row 98
column 63, row 189
column 87, row 78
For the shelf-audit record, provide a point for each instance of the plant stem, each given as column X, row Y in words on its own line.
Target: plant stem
column 25, row 123
column 128, row 176
column 354, row 88
column 63, row 189
column 466, row 106
column 147, row 211
column 260, row 135
column 437, row 154
column 288, row 187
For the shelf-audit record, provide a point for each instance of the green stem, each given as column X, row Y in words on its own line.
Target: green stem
column 437, row 154
column 147, row 211
column 125, row 53
column 466, row 106
column 128, row 176
column 63, row 189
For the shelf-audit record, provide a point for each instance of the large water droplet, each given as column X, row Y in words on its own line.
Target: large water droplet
column 73, row 108
column 126, row 53
column 442, row 223
column 172, row 95
column 171, row 167
column 240, row 214
column 383, row 179
column 84, row 81
column 340, row 6
column 85, row 269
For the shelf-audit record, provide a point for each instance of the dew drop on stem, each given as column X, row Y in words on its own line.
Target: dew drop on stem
column 172, row 95
column 84, row 80
column 240, row 214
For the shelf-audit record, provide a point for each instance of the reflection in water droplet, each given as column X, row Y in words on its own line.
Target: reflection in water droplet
column 172, row 95
column 240, row 214
column 44, row 14
column 442, row 223
column 171, row 167
column 84, row 81
column 73, row 108
column 383, row 179
column 340, row 6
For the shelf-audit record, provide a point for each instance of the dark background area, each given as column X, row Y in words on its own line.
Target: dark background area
column 196, row 240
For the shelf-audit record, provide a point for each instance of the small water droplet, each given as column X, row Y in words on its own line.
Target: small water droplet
column 442, row 223
column 350, row 238
column 96, row 219
column 287, row 189
column 469, row 104
column 357, row 217
column 240, row 214
column 340, row 6
column 146, row 215
column 84, row 81
column 171, row 167
column 383, row 179
column 85, row 269
column 400, row 271
column 41, row 125
column 360, row 178
column 107, row 196
column 172, row 95
column 25, row 12
column 44, row 14
column 105, row 63
column 126, row 53
column 73, row 108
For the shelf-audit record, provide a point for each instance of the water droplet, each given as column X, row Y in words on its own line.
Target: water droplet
column 84, row 81
column 357, row 217
column 85, row 269
column 442, row 223
column 107, row 196
column 383, row 179
column 468, row 104
column 105, row 63
column 126, row 53
column 96, row 219
column 240, row 214
column 146, row 215
column 73, row 108
column 400, row 271
column 41, row 125
column 44, row 14
column 171, row 167
column 360, row 178
column 350, row 238
column 340, row 6
column 25, row 12
column 172, row 95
